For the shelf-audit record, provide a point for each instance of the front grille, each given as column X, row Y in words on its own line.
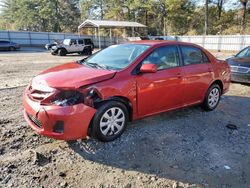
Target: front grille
column 240, row 69
column 35, row 121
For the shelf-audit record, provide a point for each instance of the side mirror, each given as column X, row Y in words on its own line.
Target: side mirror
column 148, row 68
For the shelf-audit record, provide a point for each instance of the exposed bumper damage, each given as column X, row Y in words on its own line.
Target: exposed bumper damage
column 58, row 122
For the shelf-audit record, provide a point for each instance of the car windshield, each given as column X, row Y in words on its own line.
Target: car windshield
column 244, row 53
column 116, row 57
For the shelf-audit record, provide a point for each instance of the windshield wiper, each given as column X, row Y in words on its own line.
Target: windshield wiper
column 81, row 61
column 96, row 65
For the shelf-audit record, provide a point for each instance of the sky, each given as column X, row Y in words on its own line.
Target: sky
column 1, row 1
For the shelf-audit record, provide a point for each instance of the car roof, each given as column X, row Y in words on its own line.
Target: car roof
column 158, row 42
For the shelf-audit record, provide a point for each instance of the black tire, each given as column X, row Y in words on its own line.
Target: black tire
column 106, row 108
column 11, row 48
column 86, row 51
column 62, row 52
column 207, row 105
column 90, row 52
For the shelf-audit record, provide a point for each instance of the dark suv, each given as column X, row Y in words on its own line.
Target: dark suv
column 8, row 45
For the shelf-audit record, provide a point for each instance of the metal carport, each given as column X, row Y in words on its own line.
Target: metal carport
column 109, row 24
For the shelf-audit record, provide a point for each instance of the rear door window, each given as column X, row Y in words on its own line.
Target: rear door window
column 73, row 41
column 87, row 41
column 192, row 55
column 80, row 41
column 4, row 42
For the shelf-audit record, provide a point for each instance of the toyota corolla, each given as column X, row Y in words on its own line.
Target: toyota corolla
column 99, row 95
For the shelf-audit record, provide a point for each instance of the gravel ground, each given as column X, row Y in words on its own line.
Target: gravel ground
column 184, row 148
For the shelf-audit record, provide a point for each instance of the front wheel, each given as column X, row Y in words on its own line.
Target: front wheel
column 212, row 98
column 109, row 121
column 61, row 52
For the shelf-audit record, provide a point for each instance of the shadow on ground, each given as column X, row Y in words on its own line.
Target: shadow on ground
column 188, row 145
column 24, row 50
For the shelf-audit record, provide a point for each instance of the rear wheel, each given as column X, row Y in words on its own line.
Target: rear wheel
column 87, row 51
column 109, row 121
column 90, row 52
column 61, row 52
column 212, row 98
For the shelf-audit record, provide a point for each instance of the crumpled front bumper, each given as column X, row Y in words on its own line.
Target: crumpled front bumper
column 58, row 122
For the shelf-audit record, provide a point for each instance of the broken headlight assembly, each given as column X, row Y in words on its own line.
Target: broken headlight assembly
column 68, row 98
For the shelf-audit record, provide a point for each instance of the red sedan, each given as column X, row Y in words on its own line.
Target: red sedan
column 100, row 94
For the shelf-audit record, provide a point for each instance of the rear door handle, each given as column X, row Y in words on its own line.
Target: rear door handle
column 210, row 70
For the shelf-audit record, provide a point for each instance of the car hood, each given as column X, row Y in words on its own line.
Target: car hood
column 245, row 62
column 71, row 76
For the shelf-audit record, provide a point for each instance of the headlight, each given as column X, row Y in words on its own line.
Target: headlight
column 68, row 98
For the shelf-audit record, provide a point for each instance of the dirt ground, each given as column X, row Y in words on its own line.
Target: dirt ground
column 184, row 148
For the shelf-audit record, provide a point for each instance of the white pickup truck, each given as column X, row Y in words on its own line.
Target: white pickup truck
column 69, row 46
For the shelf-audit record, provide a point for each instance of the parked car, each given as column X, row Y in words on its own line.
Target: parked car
column 50, row 45
column 240, row 66
column 100, row 94
column 8, row 45
column 69, row 46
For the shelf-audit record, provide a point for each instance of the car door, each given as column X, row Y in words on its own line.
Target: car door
column 162, row 90
column 198, row 74
column 4, row 45
column 1, row 45
column 73, row 46
column 81, row 44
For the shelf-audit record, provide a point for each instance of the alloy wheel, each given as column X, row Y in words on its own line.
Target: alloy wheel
column 213, row 97
column 112, row 121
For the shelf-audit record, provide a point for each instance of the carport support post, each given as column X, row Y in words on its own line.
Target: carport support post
column 164, row 29
column 99, row 38
column 78, row 32
column 110, row 36
column 133, row 31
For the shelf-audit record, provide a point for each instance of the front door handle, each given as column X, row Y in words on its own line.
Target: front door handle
column 178, row 75
column 210, row 69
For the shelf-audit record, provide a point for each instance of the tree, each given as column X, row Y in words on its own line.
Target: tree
column 243, row 20
column 95, row 9
column 219, row 7
column 179, row 17
column 42, row 15
column 206, row 18
column 171, row 17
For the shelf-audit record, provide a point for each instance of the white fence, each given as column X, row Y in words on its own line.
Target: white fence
column 211, row 42
column 215, row 42
column 26, row 38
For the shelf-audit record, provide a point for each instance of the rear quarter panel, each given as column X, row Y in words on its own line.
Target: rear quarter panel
column 222, row 72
